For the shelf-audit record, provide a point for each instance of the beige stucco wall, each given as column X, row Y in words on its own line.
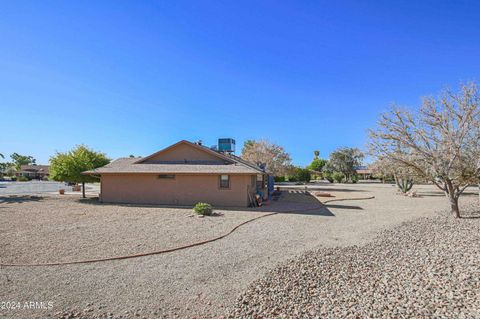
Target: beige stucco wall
column 183, row 190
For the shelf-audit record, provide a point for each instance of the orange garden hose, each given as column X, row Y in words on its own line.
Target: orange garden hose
column 159, row 252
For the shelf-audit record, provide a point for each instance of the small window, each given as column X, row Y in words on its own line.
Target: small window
column 166, row 176
column 224, row 181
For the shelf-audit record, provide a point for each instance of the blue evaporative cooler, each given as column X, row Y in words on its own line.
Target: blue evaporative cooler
column 226, row 145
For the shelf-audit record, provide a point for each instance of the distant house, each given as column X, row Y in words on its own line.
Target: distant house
column 34, row 171
column 182, row 174
column 364, row 172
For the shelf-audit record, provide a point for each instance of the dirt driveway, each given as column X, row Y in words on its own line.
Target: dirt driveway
column 199, row 281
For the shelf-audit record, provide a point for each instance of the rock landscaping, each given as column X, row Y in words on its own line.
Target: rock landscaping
column 203, row 281
column 428, row 268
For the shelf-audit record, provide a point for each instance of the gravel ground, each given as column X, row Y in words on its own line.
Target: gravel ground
column 427, row 268
column 198, row 282
column 66, row 228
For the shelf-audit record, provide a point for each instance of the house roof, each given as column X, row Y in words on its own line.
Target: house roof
column 194, row 145
column 129, row 165
column 363, row 170
column 35, row 168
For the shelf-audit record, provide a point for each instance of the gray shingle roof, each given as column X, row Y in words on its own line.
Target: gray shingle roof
column 128, row 165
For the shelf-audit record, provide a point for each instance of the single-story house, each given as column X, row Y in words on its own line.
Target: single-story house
column 364, row 172
column 34, row 171
column 184, row 173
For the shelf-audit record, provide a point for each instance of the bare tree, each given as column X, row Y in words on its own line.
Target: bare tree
column 277, row 162
column 382, row 168
column 440, row 142
column 404, row 176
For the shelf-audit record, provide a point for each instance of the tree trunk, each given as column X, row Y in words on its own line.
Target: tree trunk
column 453, row 198
column 454, row 206
column 83, row 190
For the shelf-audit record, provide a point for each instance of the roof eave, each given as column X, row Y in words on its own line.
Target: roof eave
column 179, row 173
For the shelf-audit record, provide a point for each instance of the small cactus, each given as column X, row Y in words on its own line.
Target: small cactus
column 404, row 183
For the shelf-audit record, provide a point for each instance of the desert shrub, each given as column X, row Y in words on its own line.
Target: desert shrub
column 338, row 177
column 22, row 179
column 203, row 209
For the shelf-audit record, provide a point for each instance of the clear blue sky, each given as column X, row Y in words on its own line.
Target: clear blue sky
column 131, row 77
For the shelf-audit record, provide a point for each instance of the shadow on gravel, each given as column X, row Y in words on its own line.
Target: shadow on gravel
column 90, row 201
column 344, row 206
column 96, row 201
column 441, row 194
column 321, row 211
column 290, row 202
column 323, row 188
column 20, row 199
column 297, row 202
column 470, row 215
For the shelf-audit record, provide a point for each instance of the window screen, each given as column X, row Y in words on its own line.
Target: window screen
column 224, row 181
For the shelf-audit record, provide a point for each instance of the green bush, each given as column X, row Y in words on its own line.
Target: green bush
column 203, row 209
column 354, row 179
column 303, row 174
column 338, row 177
column 279, row 179
column 328, row 176
column 299, row 174
column 22, row 179
column 292, row 178
column 317, row 164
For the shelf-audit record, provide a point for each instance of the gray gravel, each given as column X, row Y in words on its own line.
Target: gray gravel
column 199, row 282
column 46, row 229
column 427, row 268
